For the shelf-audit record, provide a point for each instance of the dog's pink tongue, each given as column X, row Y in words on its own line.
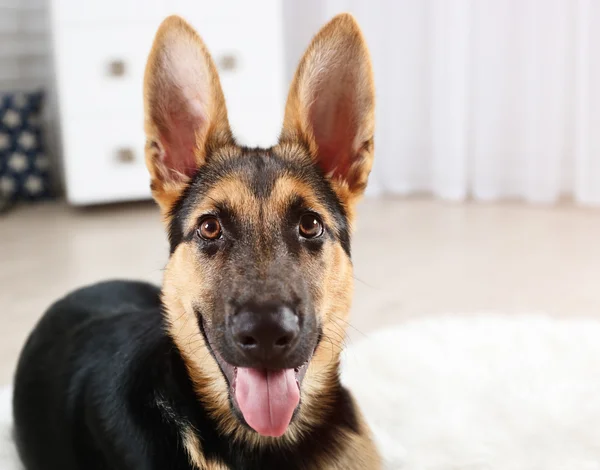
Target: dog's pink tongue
column 267, row 399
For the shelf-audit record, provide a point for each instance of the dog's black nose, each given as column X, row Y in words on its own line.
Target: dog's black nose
column 265, row 333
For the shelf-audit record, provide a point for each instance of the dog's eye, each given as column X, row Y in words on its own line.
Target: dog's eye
column 310, row 226
column 210, row 228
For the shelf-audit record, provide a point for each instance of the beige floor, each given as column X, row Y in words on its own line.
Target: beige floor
column 412, row 257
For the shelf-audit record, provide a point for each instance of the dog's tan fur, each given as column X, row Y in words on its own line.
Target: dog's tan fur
column 181, row 75
column 193, row 448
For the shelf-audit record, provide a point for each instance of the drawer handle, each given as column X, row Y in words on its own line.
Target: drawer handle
column 228, row 62
column 116, row 68
column 125, row 155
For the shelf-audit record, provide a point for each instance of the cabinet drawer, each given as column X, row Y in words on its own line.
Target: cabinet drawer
column 78, row 11
column 100, row 71
column 104, row 160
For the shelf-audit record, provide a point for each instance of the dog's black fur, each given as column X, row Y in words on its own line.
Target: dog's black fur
column 101, row 386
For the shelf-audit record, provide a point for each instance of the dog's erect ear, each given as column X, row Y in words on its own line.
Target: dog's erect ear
column 184, row 106
column 331, row 105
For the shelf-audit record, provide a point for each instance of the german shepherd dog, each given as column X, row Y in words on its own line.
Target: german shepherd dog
column 234, row 362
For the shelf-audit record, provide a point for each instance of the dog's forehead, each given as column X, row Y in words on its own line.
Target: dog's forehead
column 255, row 183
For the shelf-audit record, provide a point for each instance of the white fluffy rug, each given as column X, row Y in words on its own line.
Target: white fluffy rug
column 485, row 392
column 8, row 453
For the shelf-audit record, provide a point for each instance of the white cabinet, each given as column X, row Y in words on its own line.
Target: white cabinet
column 100, row 50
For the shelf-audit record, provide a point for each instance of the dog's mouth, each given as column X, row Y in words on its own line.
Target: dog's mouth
column 265, row 399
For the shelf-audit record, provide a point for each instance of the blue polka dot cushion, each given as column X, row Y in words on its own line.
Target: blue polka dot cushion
column 23, row 165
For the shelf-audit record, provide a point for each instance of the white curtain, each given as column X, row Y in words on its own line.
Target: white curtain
column 483, row 99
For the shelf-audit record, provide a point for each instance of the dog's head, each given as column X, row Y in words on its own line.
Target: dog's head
column 258, row 286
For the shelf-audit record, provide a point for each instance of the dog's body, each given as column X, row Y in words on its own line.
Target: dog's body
column 113, row 393
column 234, row 362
